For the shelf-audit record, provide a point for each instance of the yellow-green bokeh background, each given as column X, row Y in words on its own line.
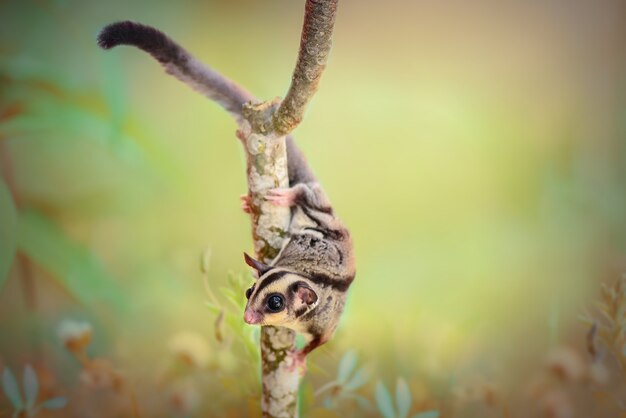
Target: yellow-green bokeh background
column 475, row 149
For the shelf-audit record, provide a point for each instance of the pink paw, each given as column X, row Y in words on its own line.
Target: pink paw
column 299, row 362
column 240, row 135
column 245, row 203
column 281, row 197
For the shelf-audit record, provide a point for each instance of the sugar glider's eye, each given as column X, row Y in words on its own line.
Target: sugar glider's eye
column 275, row 303
column 248, row 293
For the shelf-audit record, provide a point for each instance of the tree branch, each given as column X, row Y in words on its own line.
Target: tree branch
column 266, row 169
column 315, row 43
column 262, row 130
column 263, row 137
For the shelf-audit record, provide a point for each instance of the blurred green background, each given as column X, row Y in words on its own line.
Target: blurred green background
column 476, row 150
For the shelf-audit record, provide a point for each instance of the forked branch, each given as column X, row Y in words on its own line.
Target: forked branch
column 262, row 130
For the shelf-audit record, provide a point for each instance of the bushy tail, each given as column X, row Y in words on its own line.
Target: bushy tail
column 182, row 65
column 177, row 62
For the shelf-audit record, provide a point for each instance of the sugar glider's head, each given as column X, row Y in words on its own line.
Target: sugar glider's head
column 279, row 296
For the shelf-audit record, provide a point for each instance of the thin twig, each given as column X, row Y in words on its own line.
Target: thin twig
column 27, row 280
column 206, row 263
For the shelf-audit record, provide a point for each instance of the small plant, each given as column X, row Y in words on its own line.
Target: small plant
column 403, row 402
column 348, row 380
column 606, row 339
column 608, row 326
column 190, row 358
column 229, row 314
column 97, row 373
column 27, row 406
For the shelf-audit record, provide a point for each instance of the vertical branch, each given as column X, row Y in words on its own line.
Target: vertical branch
column 267, row 169
column 263, row 137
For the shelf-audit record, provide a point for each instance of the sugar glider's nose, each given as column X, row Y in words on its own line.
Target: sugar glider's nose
column 252, row 317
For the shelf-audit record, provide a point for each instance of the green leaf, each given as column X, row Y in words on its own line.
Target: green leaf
column 8, row 232
column 383, row 400
column 234, row 302
column 9, row 384
column 232, row 297
column 346, row 365
column 213, row 308
column 403, row 398
column 54, row 403
column 359, row 379
column 75, row 267
column 31, row 386
column 427, row 414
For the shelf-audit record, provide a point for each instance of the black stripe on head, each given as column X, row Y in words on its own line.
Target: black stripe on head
column 270, row 278
column 249, row 292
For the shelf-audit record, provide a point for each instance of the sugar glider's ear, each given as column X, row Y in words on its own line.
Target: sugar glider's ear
column 304, row 294
column 260, row 267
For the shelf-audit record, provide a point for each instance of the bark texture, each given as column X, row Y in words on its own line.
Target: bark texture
column 263, row 135
column 315, row 43
column 267, row 169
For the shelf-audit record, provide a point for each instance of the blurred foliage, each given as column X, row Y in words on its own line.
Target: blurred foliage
column 344, row 387
column 27, row 405
column 477, row 152
column 75, row 266
column 8, row 231
column 229, row 329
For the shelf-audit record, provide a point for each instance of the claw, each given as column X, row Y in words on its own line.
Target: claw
column 245, row 203
column 298, row 363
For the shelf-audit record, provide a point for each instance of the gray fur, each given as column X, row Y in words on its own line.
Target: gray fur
column 317, row 257
column 318, row 253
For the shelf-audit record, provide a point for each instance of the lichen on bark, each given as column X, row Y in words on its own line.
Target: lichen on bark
column 280, row 380
column 267, row 169
column 263, row 135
